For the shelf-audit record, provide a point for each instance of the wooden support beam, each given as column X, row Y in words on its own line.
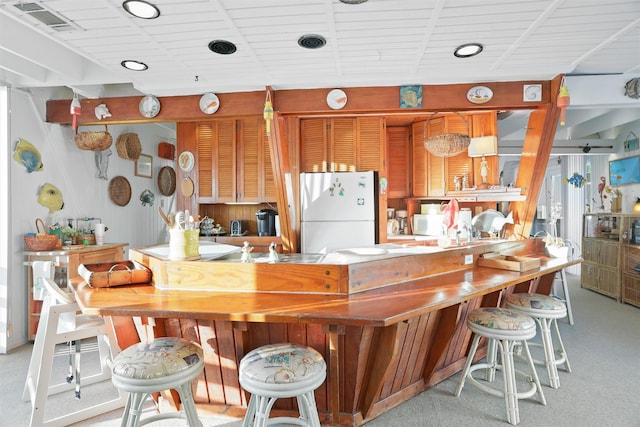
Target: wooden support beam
column 282, row 174
column 536, row 151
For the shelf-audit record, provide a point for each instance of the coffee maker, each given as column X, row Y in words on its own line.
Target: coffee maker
column 266, row 222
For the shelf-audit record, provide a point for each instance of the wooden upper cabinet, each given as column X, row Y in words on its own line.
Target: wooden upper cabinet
column 342, row 144
column 234, row 162
column 216, row 161
column 398, row 184
column 434, row 175
column 255, row 178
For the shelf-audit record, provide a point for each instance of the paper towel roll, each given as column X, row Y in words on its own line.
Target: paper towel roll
column 41, row 269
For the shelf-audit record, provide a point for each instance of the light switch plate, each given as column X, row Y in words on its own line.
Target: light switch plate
column 468, row 259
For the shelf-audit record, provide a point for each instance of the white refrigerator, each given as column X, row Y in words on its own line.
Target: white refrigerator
column 338, row 211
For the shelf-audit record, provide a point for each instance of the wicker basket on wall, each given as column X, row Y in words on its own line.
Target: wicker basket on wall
column 94, row 140
column 128, row 146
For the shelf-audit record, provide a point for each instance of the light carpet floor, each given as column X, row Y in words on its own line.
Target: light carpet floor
column 603, row 389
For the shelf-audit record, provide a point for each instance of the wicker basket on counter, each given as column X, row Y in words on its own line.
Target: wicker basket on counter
column 94, row 140
column 128, row 146
column 41, row 241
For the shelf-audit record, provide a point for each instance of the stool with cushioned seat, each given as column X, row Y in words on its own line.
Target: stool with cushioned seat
column 163, row 364
column 282, row 371
column 503, row 328
column 546, row 311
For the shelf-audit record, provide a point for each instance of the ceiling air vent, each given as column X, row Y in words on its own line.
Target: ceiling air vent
column 311, row 41
column 47, row 17
column 222, row 47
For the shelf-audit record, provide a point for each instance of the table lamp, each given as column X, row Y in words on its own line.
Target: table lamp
column 481, row 147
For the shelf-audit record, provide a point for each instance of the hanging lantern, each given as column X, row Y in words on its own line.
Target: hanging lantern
column 75, row 110
column 563, row 100
column 268, row 112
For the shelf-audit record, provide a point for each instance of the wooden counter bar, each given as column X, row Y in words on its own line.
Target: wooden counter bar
column 383, row 345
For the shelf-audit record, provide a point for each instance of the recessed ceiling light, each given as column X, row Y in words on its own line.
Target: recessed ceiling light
column 141, row 9
column 222, row 47
column 352, row 1
column 468, row 50
column 311, row 41
column 130, row 64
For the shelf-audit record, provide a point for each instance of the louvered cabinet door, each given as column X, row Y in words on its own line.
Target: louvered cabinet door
column 398, row 162
column 428, row 170
column 249, row 168
column 224, row 162
column 342, row 145
column 419, row 172
column 459, row 166
column 255, row 171
column 205, row 135
column 370, row 147
column 314, row 142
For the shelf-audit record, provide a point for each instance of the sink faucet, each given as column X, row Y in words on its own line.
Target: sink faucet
column 469, row 231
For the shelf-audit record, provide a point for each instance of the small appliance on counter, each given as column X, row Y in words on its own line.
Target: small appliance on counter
column 238, row 227
column 266, row 222
column 393, row 226
column 401, row 216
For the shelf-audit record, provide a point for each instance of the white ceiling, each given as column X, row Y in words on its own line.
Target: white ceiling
column 376, row 43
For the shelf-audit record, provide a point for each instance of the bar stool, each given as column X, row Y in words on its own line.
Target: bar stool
column 278, row 371
column 546, row 311
column 504, row 328
column 164, row 364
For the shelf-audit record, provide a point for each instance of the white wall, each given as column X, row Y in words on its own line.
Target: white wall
column 74, row 172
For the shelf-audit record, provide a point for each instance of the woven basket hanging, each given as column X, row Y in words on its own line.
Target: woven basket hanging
column 446, row 144
column 94, row 140
column 128, row 146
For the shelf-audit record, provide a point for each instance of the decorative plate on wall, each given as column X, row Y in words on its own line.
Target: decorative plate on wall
column 167, row 180
column 186, row 161
column 336, row 99
column 479, row 94
column 187, row 187
column 120, row 190
column 209, row 103
column 149, row 106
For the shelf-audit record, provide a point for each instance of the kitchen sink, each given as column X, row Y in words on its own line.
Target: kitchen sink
column 261, row 257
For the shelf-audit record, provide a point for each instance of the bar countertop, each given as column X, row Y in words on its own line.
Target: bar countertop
column 380, row 307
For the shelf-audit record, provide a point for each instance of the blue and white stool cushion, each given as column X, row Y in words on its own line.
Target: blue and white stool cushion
column 500, row 323
column 161, row 358
column 164, row 364
column 273, row 367
column 537, row 304
column 278, row 371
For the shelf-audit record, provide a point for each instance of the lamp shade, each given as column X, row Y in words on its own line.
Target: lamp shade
column 483, row 146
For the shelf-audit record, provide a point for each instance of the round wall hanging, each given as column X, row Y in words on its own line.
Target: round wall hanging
column 149, row 106
column 187, row 187
column 336, row 99
column 186, row 161
column 120, row 191
column 167, row 180
column 209, row 103
column 479, row 94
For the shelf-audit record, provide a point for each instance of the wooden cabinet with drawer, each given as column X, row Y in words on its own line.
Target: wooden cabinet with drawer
column 65, row 263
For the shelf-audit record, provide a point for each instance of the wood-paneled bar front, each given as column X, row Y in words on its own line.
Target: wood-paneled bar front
column 391, row 327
